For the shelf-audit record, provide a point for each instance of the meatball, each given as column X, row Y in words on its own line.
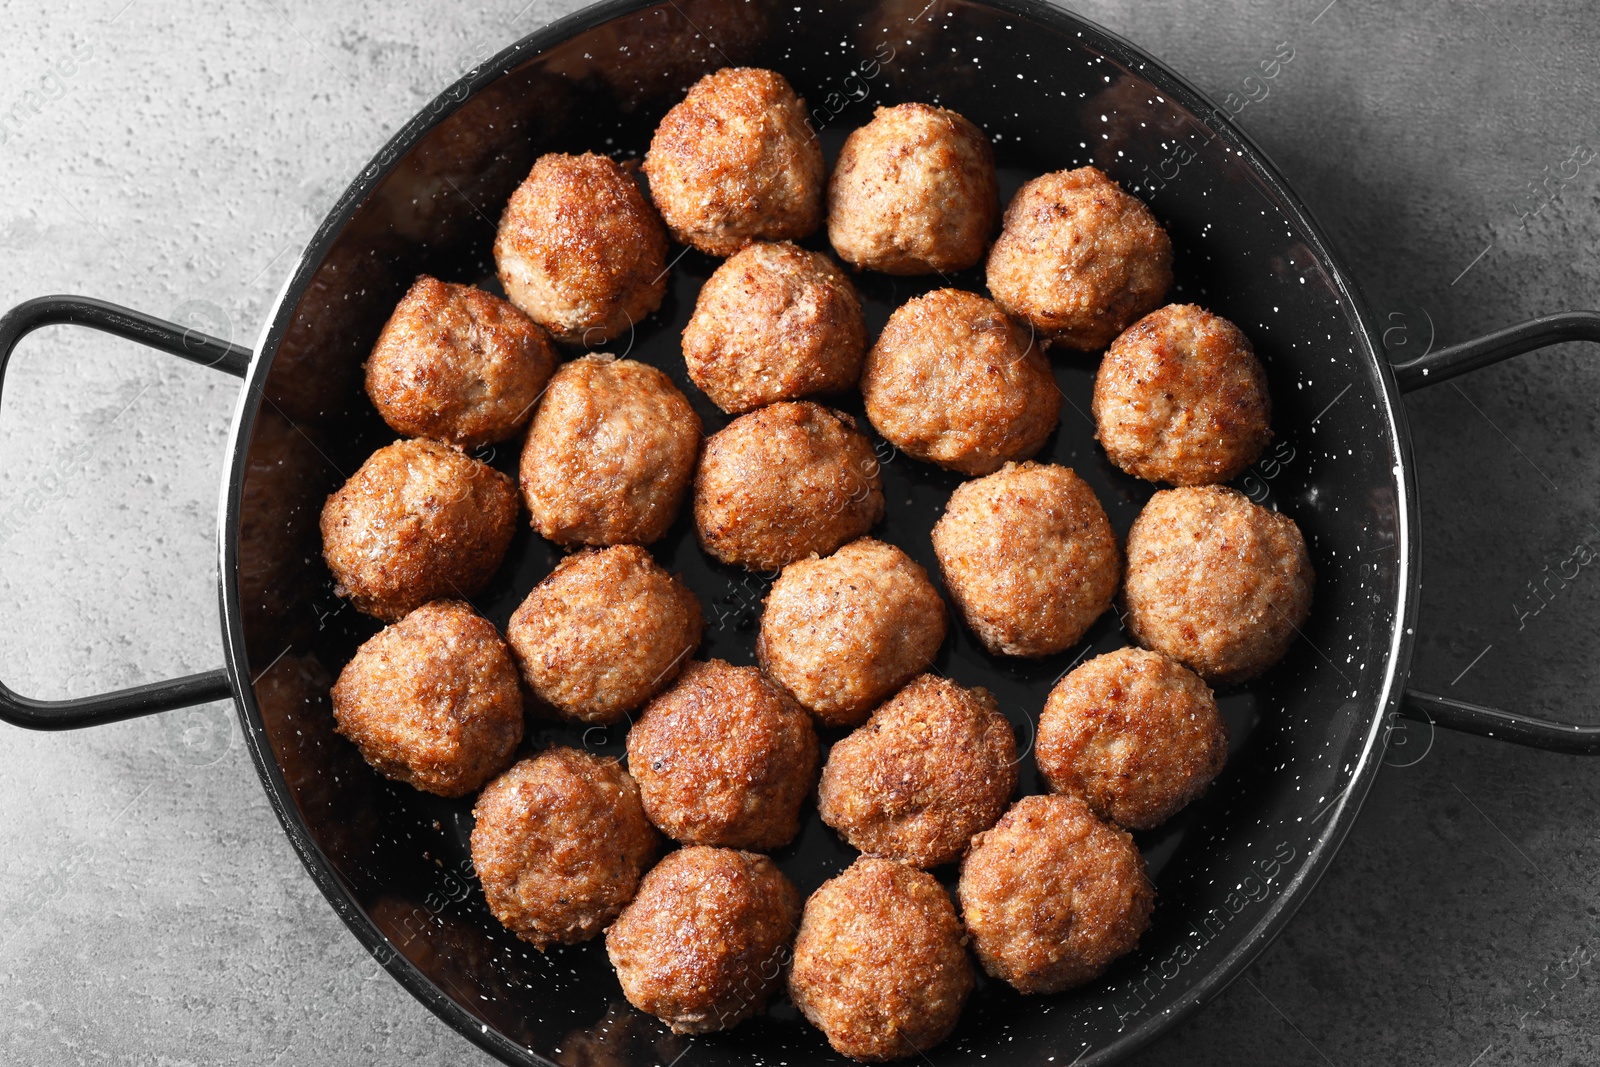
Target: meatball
column 1052, row 895
column 879, row 965
column 914, row 192
column 1079, row 258
column 580, row 251
column 417, row 522
column 610, row 453
column 784, row 482
column 840, row 634
column 1029, row 556
column 774, row 322
column 736, row 161
column 955, row 382
column 932, row 767
column 1180, row 397
column 458, row 365
column 1135, row 733
column 1218, row 583
column 723, row 758
column 604, row 632
column 433, row 700
column 705, row 942
column 560, row 844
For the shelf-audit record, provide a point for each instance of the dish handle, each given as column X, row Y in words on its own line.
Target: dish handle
column 1430, row 369
column 175, row 340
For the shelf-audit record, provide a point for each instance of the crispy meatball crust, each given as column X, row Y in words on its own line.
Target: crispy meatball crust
column 933, row 766
column 774, row 322
column 724, row 758
column 1218, row 583
column 458, row 365
column 1052, row 895
column 839, row 634
column 1029, row 556
column 560, row 845
column 580, row 251
column 736, row 161
column 1180, row 397
column 1135, row 733
column 418, row 521
column 433, row 700
column 913, row 192
column 609, row 455
column 955, row 382
column 706, row 940
column 784, row 482
column 604, row 632
column 879, row 963
column 1079, row 258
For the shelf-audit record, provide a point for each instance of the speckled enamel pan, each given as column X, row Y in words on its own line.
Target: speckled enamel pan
column 1053, row 91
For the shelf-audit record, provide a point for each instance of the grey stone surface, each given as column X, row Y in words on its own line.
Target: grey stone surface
column 152, row 913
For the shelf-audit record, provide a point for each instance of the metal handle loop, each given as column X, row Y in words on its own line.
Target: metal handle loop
column 176, row 340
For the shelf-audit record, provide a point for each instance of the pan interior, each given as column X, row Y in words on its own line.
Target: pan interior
column 1052, row 93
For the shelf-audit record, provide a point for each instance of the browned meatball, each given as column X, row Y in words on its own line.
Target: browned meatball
column 610, row 453
column 1052, row 895
column 724, row 758
column 914, row 192
column 1079, row 258
column 1180, row 397
column 1029, row 556
column 604, row 632
column 1135, row 733
column 560, row 844
column 433, row 700
column 736, row 161
column 932, row 767
column 784, row 482
column 458, row 365
column 1218, row 583
column 580, row 251
column 418, row 521
column 879, row 965
column 955, row 382
column 774, row 322
column 840, row 634
column 705, row 942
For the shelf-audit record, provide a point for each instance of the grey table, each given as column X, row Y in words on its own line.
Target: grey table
column 173, row 156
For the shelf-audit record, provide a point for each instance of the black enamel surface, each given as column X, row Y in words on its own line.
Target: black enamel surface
column 1052, row 93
